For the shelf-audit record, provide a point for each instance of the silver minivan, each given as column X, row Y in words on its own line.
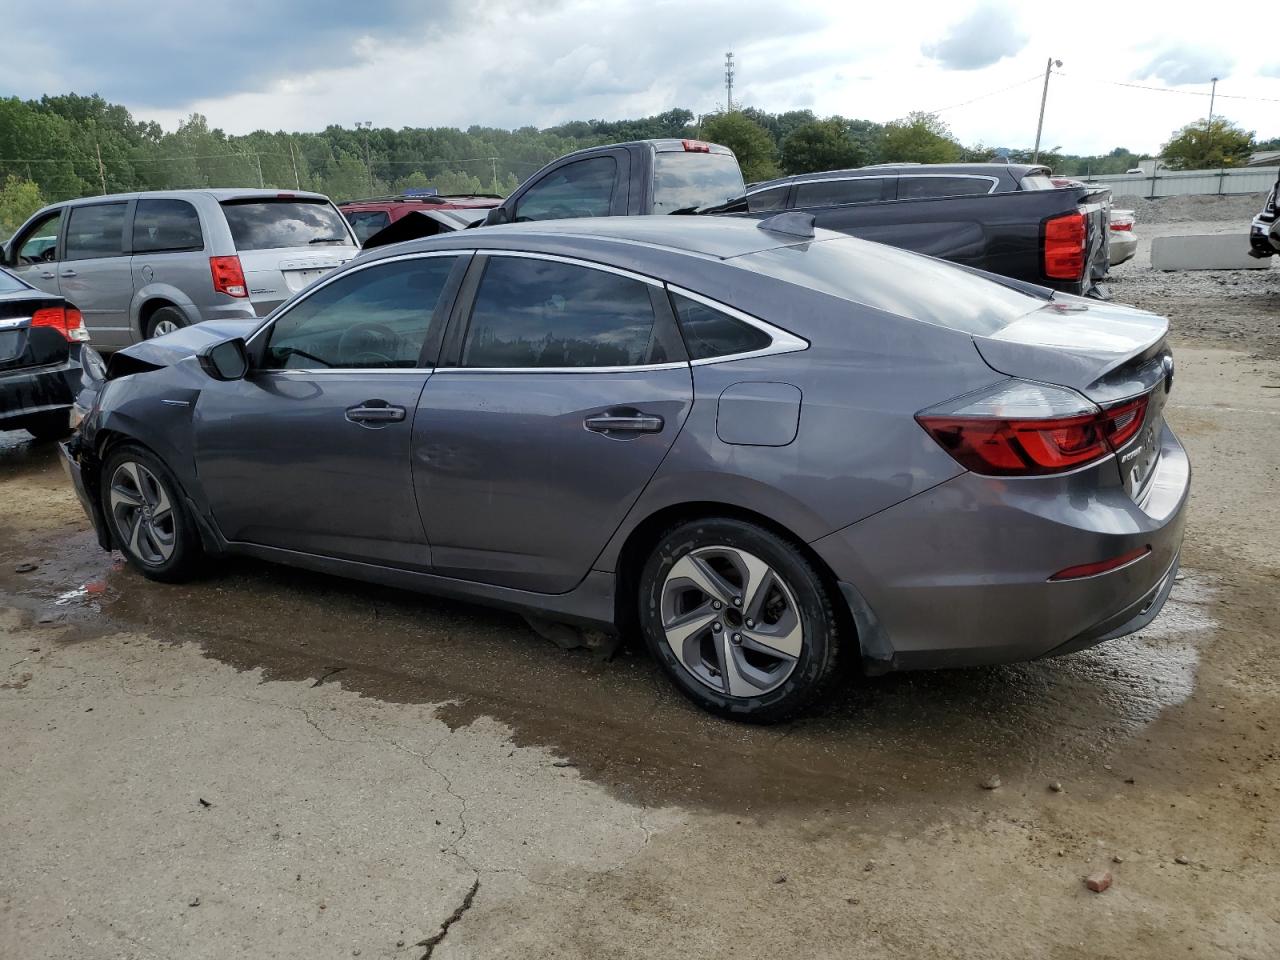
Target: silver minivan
column 138, row 265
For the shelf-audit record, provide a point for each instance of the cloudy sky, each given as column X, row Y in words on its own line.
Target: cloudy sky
column 304, row 64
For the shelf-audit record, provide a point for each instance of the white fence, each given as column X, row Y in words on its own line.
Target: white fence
column 1177, row 183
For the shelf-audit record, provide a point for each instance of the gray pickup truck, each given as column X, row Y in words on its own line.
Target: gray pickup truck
column 1007, row 219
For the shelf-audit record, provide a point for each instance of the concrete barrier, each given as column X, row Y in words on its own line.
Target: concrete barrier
column 1220, row 251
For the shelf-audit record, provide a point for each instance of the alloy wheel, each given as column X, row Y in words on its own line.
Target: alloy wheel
column 731, row 620
column 163, row 327
column 143, row 513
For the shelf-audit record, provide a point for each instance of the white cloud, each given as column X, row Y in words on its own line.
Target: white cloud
column 984, row 37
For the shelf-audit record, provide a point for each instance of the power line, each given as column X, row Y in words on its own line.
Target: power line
column 1185, row 93
column 992, row 93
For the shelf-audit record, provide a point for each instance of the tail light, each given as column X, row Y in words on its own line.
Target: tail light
column 1023, row 429
column 1102, row 566
column 1064, row 238
column 228, row 276
column 66, row 320
column 1122, row 225
column 695, row 146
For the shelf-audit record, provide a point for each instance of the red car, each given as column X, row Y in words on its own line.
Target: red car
column 450, row 213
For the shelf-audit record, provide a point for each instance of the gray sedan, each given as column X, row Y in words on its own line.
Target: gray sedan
column 769, row 451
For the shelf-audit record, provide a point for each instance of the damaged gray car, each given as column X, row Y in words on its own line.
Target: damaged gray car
column 770, row 450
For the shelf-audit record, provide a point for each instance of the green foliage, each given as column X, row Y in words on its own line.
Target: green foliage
column 820, row 145
column 1208, row 145
column 19, row 199
column 919, row 138
column 751, row 142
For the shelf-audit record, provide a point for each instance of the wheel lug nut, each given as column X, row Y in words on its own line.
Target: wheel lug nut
column 716, row 604
column 750, row 624
column 737, row 601
column 736, row 638
column 716, row 627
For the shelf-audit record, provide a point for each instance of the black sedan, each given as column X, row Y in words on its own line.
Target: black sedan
column 41, row 336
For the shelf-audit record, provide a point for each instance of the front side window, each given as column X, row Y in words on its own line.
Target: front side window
column 825, row 193
column 376, row 318
column 924, row 188
column 712, row 333
column 543, row 313
column 276, row 223
column 41, row 243
column 166, row 226
column 580, row 189
column 96, row 231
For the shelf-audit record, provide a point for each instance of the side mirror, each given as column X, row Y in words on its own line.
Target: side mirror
column 228, row 360
column 497, row 215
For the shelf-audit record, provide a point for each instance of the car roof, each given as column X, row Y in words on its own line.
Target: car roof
column 721, row 238
column 662, row 145
column 218, row 193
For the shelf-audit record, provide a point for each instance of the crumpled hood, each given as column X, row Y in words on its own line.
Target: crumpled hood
column 187, row 342
column 1073, row 341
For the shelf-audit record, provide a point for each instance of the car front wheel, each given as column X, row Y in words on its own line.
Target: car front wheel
column 148, row 516
column 740, row 619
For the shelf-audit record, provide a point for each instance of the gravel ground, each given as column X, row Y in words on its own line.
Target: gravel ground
column 1236, row 307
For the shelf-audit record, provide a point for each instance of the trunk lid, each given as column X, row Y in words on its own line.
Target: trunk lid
column 1109, row 353
column 22, row 345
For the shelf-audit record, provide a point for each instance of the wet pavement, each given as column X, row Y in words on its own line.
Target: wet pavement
column 1161, row 739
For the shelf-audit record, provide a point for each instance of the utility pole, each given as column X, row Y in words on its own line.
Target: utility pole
column 297, row 182
column 102, row 171
column 366, row 126
column 1213, row 92
column 1048, row 69
column 258, row 159
column 494, row 161
column 728, row 82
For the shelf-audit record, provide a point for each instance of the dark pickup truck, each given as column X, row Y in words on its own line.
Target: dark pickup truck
column 1005, row 218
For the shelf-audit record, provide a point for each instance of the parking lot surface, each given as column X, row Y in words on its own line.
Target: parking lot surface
column 272, row 763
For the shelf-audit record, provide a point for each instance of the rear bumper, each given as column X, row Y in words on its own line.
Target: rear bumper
column 1263, row 238
column 1122, row 245
column 31, row 391
column 959, row 575
column 89, row 499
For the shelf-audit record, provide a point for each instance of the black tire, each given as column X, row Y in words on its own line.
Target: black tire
column 812, row 672
column 165, row 315
column 169, row 548
column 49, row 426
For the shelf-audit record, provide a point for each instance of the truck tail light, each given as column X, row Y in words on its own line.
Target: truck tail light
column 66, row 320
column 228, row 276
column 1025, row 429
column 1064, row 238
column 1122, row 225
column 695, row 146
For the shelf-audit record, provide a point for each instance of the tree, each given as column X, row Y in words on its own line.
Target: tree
column 751, row 142
column 1208, row 145
column 19, row 199
column 919, row 138
column 820, row 145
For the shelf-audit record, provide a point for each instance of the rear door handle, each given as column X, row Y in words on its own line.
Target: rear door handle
column 67, row 273
column 375, row 411
column 624, row 423
column 46, row 275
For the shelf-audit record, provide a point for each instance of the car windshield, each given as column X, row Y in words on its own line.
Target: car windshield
column 687, row 181
column 896, row 281
column 272, row 223
column 9, row 284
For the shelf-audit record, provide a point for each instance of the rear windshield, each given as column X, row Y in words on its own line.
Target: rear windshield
column 269, row 224
column 9, row 284
column 896, row 281
column 688, row 181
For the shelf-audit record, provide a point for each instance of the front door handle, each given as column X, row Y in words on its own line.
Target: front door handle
column 47, row 275
column 624, row 423
column 375, row 411
column 68, row 273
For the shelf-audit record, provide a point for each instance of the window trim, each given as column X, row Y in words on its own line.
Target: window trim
column 274, row 318
column 465, row 321
column 783, row 340
column 994, row 181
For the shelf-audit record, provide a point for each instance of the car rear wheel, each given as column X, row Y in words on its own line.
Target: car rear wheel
column 165, row 320
column 740, row 619
column 49, row 426
column 148, row 515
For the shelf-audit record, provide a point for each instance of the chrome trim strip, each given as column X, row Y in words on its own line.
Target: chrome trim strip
column 313, row 371
column 638, row 368
column 783, row 340
column 574, row 261
column 14, row 323
column 994, row 181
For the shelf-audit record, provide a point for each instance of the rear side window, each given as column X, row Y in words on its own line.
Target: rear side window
column 924, row 188
column 580, row 189
column 272, row 224
column 96, row 231
column 375, row 318
column 166, row 225
column 822, row 193
column 366, row 223
column 543, row 313
column 775, row 198
column 712, row 333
